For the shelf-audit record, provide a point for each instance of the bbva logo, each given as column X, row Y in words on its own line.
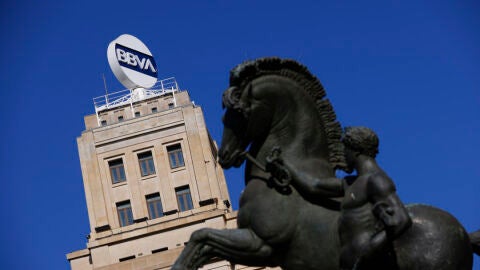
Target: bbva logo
column 136, row 60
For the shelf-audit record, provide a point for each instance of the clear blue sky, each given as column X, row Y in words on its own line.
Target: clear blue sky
column 409, row 70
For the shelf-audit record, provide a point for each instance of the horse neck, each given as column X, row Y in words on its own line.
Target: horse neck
column 296, row 128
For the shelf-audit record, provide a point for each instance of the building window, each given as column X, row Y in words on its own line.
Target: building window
column 145, row 160
column 125, row 215
column 120, row 118
column 154, row 204
column 103, row 123
column 170, row 105
column 117, row 171
column 154, row 109
column 137, row 114
column 184, row 199
column 175, row 156
column 159, row 250
column 127, row 258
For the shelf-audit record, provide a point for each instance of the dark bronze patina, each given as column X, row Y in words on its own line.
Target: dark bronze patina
column 292, row 208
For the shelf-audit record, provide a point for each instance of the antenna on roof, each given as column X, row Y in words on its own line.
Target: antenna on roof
column 105, row 85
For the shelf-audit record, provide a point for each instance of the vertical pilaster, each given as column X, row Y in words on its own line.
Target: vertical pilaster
column 167, row 192
column 133, row 179
column 91, row 178
column 196, row 151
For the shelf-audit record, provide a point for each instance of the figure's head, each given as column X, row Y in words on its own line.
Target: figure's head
column 359, row 141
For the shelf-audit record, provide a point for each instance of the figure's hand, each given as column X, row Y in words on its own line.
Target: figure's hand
column 274, row 156
column 385, row 213
column 274, row 165
column 274, row 162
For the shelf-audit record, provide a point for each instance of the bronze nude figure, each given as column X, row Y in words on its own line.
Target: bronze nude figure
column 372, row 215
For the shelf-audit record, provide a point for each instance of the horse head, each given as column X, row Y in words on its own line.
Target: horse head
column 275, row 102
column 251, row 102
column 235, row 120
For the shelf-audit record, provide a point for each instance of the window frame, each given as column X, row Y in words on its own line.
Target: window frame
column 125, row 213
column 175, row 156
column 184, row 198
column 149, row 163
column 154, row 203
column 119, row 168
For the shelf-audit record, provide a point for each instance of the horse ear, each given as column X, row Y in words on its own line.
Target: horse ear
column 230, row 97
column 238, row 100
column 245, row 103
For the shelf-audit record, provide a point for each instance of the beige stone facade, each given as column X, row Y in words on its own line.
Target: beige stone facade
column 151, row 178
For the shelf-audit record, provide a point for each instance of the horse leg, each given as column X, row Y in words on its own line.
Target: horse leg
column 237, row 245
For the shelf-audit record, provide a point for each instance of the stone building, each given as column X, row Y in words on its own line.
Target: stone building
column 151, row 178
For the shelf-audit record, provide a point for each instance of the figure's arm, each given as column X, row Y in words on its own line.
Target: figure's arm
column 324, row 187
column 387, row 206
column 305, row 182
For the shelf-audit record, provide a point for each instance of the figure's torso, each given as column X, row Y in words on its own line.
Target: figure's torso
column 356, row 217
column 356, row 194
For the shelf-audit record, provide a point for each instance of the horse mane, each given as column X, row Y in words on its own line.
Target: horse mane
column 249, row 70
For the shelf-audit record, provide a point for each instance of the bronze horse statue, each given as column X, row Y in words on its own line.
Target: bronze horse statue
column 273, row 102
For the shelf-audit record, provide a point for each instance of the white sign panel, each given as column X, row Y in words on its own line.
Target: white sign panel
column 132, row 62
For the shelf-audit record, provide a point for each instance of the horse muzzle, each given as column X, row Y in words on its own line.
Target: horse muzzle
column 227, row 158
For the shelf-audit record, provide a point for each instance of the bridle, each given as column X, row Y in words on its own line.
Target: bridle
column 281, row 176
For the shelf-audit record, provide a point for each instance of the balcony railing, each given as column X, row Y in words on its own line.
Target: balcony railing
column 127, row 96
